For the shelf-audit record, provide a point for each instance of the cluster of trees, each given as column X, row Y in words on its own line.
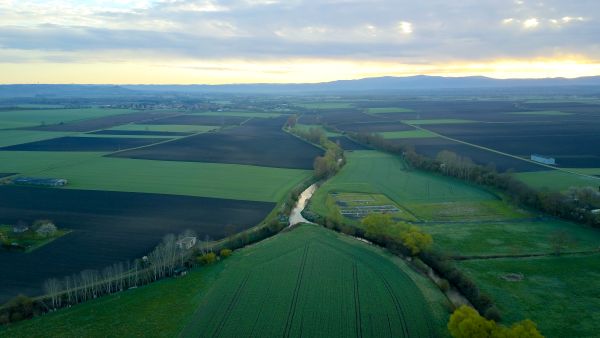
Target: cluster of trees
column 332, row 161
column 465, row 322
column 382, row 228
column 576, row 205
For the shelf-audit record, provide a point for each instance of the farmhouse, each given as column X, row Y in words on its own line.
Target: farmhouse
column 186, row 243
column 43, row 182
column 20, row 228
column 543, row 159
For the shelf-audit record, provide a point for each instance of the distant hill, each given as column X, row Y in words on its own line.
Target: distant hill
column 387, row 83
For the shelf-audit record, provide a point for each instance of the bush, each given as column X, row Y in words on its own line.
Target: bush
column 207, row 258
column 465, row 322
column 225, row 253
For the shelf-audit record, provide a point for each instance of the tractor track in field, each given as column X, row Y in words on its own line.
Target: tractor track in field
column 357, row 301
column 397, row 304
column 231, row 305
column 292, row 310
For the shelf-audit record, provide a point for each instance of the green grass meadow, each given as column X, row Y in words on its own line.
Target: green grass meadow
column 558, row 180
column 389, row 110
column 517, row 237
column 417, row 133
column 560, row 294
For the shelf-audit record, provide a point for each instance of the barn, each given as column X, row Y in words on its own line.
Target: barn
column 543, row 159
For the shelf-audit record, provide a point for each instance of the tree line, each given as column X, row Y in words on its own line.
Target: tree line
column 332, row 161
column 165, row 260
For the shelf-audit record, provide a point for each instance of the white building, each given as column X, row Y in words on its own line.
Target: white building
column 543, row 159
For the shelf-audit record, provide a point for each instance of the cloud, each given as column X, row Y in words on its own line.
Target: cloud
column 405, row 31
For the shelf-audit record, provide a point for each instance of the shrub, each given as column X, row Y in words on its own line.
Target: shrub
column 225, row 253
column 207, row 258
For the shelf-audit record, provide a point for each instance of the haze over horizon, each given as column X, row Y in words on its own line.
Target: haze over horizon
column 271, row 41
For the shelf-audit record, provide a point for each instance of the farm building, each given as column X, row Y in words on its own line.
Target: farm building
column 186, row 243
column 44, row 182
column 20, row 228
column 543, row 159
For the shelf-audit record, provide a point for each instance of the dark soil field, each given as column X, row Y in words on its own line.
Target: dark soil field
column 258, row 142
column 572, row 144
column 373, row 127
column 207, row 120
column 140, row 132
column 6, row 174
column 73, row 143
column 430, row 147
column 104, row 122
column 348, row 144
column 107, row 227
column 345, row 116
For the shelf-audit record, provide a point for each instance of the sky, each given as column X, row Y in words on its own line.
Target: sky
column 285, row 41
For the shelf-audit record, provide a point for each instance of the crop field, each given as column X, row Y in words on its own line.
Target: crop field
column 371, row 127
column 438, row 121
column 325, row 105
column 465, row 211
column 137, row 133
column 108, row 227
column 39, row 117
column 557, row 180
column 375, row 172
column 417, row 133
column 202, row 120
column 14, row 137
column 431, row 147
column 241, row 114
column 370, row 293
column 73, row 143
column 516, row 237
column 91, row 171
column 159, row 309
column 306, row 127
column 313, row 282
column 559, row 293
column 572, row 144
column 179, row 128
column 542, row 112
column 261, row 142
column 82, row 125
column 357, row 206
column 388, row 110
column 347, row 144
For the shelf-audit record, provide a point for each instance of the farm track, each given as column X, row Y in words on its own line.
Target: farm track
column 292, row 311
column 231, row 306
column 357, row 301
column 484, row 257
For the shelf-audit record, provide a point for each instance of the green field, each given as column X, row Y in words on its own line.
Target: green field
column 417, row 133
column 242, row 114
column 389, row 110
column 369, row 171
column 13, row 137
column 316, row 283
column 309, row 282
column 156, row 310
column 559, row 293
column 557, row 180
column 325, row 105
column 466, row 211
column 510, row 237
column 94, row 172
column 32, row 118
column 544, row 112
column 437, row 121
column 165, row 127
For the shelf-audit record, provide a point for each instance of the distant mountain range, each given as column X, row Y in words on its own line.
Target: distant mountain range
column 388, row 83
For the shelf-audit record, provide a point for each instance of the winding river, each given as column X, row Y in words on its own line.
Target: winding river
column 296, row 214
